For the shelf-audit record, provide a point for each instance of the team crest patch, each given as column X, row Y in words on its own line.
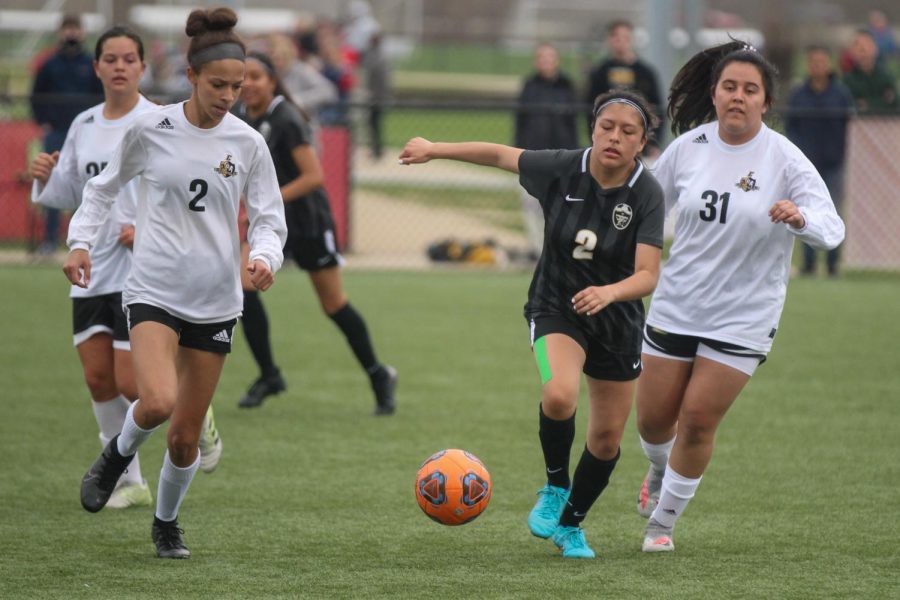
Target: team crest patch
column 621, row 216
column 265, row 130
column 226, row 168
column 747, row 183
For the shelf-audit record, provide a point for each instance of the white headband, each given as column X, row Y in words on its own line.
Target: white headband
column 630, row 103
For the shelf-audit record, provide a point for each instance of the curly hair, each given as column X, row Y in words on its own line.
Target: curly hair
column 690, row 97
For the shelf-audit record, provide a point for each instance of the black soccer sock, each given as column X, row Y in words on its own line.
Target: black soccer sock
column 591, row 478
column 256, row 330
column 556, row 442
column 354, row 328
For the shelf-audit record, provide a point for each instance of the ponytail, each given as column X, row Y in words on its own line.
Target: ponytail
column 690, row 97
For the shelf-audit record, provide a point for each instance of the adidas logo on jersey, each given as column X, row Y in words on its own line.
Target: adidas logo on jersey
column 165, row 124
column 222, row 336
column 701, row 139
column 90, row 119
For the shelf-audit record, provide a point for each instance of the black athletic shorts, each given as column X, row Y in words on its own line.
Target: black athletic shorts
column 315, row 253
column 685, row 346
column 100, row 314
column 211, row 337
column 599, row 363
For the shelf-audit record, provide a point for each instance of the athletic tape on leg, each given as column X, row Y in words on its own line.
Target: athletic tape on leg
column 543, row 363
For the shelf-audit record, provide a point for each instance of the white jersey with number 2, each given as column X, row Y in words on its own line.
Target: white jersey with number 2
column 190, row 182
column 728, row 268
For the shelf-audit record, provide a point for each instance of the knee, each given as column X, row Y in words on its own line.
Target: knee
column 128, row 389
column 604, row 443
column 156, row 407
column 101, row 383
column 558, row 401
column 696, row 426
column 332, row 303
column 182, row 444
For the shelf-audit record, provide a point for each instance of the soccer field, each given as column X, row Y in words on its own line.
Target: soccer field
column 314, row 497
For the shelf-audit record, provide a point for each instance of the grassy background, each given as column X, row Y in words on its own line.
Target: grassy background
column 314, row 498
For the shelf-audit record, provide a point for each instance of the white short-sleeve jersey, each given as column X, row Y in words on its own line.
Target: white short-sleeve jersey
column 190, row 182
column 88, row 148
column 728, row 268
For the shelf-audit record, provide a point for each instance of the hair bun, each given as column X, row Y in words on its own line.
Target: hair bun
column 215, row 19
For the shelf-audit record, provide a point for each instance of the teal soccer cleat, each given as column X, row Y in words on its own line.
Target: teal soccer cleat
column 544, row 517
column 572, row 543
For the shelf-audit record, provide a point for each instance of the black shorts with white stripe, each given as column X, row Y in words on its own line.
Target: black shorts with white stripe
column 100, row 314
column 685, row 346
column 210, row 337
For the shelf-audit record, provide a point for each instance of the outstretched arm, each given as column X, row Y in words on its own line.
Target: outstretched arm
column 420, row 150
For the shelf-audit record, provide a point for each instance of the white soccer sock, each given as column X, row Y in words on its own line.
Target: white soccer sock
column 132, row 436
column 173, row 485
column 677, row 491
column 658, row 454
column 110, row 415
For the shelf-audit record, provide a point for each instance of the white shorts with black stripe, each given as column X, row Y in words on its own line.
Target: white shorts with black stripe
column 676, row 346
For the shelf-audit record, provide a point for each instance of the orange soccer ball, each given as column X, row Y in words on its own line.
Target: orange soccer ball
column 453, row 487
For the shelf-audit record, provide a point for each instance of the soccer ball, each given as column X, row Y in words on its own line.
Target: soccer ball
column 453, row 487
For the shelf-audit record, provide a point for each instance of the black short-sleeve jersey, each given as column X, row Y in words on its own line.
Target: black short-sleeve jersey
column 590, row 236
column 284, row 129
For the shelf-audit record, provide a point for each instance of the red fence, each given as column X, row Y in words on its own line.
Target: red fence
column 20, row 221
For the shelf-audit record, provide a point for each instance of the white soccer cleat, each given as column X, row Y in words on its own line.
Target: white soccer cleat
column 648, row 497
column 128, row 494
column 657, row 538
column 210, row 444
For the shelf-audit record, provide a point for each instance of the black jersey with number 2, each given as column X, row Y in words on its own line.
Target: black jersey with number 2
column 590, row 236
column 284, row 129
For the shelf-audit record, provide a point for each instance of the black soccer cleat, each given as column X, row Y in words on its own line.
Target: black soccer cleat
column 100, row 480
column 168, row 540
column 261, row 388
column 384, row 387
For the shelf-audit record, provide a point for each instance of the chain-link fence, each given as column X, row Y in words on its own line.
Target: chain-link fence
column 395, row 216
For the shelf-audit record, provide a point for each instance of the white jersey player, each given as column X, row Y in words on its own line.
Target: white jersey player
column 726, row 253
column 744, row 193
column 100, row 332
column 192, row 161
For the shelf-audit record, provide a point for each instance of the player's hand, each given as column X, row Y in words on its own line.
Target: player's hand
column 592, row 300
column 43, row 165
column 260, row 275
column 785, row 211
column 78, row 268
column 417, row 150
column 126, row 236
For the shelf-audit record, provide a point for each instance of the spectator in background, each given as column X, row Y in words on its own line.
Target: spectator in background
column 360, row 29
column 65, row 85
column 817, row 123
column 546, row 119
column 872, row 86
column 307, row 86
column 622, row 69
column 881, row 32
column 337, row 67
column 165, row 78
column 378, row 85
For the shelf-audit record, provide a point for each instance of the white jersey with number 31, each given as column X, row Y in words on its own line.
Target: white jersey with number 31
column 728, row 269
column 190, row 182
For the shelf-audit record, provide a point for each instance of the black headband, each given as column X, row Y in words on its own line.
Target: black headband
column 218, row 52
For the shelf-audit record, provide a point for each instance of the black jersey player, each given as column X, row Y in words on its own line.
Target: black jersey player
column 311, row 242
column 603, row 216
